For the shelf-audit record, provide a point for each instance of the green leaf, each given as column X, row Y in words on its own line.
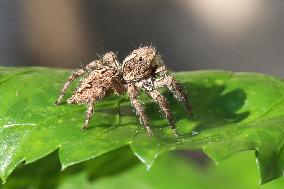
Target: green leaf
column 169, row 171
column 232, row 112
column 45, row 173
column 173, row 171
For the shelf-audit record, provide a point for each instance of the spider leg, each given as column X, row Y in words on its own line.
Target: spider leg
column 133, row 95
column 176, row 89
column 89, row 113
column 164, row 105
column 71, row 78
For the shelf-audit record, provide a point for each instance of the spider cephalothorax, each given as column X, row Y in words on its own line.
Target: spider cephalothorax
column 142, row 69
column 139, row 64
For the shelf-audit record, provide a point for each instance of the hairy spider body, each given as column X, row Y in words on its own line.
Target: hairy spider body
column 103, row 79
column 142, row 69
column 98, row 84
column 139, row 64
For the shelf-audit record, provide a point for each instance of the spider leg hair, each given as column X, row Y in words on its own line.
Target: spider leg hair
column 164, row 105
column 133, row 94
column 175, row 87
column 89, row 113
column 72, row 77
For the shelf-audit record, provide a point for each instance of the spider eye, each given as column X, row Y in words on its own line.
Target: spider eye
column 140, row 58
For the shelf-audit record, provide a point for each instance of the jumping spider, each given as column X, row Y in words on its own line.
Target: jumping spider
column 142, row 69
column 103, row 78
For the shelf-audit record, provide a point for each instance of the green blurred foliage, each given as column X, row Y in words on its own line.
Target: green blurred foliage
column 46, row 173
column 172, row 171
column 121, row 169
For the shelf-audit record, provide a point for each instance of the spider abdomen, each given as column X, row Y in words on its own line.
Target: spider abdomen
column 95, row 86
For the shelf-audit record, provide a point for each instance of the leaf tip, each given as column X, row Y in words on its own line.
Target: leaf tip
column 63, row 167
column 3, row 178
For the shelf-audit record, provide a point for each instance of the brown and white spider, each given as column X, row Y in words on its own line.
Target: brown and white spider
column 142, row 69
column 103, row 79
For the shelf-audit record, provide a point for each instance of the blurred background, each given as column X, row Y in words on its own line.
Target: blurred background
column 239, row 35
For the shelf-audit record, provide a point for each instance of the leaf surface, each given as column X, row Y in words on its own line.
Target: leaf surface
column 232, row 112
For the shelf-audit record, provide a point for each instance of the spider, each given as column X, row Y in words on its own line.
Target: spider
column 103, row 79
column 142, row 69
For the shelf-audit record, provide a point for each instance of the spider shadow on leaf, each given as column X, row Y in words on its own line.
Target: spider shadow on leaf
column 213, row 106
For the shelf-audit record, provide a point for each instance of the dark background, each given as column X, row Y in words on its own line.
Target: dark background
column 239, row 35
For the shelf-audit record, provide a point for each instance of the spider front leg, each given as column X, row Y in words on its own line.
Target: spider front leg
column 71, row 78
column 133, row 94
column 174, row 87
column 164, row 105
column 89, row 114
